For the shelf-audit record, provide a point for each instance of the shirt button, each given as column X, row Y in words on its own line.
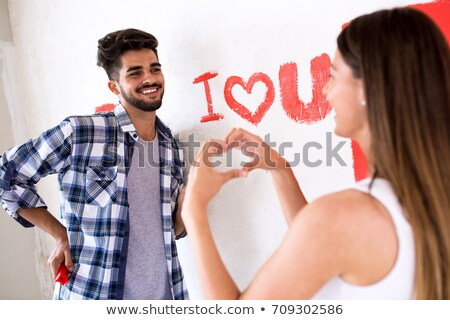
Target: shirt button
column 135, row 135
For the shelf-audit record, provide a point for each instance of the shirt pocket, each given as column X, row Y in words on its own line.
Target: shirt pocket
column 101, row 185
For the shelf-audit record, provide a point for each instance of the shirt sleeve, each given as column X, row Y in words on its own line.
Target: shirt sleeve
column 178, row 173
column 23, row 166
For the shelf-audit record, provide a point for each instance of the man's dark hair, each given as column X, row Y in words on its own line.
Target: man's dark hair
column 115, row 44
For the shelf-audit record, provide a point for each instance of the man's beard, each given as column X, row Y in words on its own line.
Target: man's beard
column 141, row 104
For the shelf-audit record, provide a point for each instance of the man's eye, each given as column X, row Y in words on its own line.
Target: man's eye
column 156, row 70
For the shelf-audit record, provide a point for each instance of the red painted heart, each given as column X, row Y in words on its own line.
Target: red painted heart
column 240, row 109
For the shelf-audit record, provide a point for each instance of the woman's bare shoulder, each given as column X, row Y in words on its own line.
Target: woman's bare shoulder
column 358, row 228
column 346, row 204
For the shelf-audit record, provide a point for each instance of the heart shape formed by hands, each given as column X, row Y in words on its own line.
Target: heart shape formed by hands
column 240, row 109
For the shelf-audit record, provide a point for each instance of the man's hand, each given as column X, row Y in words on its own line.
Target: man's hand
column 61, row 255
column 43, row 219
column 178, row 224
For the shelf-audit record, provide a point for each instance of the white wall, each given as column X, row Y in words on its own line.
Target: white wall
column 56, row 45
column 5, row 26
column 18, row 277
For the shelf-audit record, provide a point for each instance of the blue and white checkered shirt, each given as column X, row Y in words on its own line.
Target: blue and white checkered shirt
column 91, row 155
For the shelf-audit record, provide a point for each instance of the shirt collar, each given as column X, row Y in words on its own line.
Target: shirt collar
column 127, row 126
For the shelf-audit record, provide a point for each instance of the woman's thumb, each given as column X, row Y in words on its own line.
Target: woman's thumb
column 235, row 173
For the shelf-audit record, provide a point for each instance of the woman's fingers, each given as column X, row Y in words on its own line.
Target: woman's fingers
column 239, row 134
column 210, row 148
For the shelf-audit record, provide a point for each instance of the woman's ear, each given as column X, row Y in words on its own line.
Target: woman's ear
column 114, row 87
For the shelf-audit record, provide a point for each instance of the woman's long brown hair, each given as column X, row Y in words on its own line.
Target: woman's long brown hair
column 404, row 62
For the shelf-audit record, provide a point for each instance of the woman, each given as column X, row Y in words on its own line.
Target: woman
column 389, row 236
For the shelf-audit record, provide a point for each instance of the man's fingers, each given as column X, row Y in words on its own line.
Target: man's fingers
column 68, row 261
column 54, row 266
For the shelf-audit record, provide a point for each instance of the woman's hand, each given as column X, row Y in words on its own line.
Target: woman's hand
column 263, row 156
column 266, row 158
column 204, row 181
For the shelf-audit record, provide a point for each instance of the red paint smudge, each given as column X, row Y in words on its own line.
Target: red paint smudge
column 212, row 116
column 105, row 107
column 360, row 166
column 439, row 11
column 240, row 109
column 294, row 107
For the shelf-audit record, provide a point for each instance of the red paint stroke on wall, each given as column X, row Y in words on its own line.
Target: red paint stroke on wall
column 211, row 116
column 105, row 107
column 359, row 162
column 240, row 109
column 439, row 11
column 294, row 107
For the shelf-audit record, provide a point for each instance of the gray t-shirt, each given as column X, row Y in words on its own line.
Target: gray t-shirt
column 146, row 276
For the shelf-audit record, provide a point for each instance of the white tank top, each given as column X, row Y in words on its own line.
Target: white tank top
column 399, row 282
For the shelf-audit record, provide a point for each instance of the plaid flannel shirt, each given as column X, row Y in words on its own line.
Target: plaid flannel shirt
column 91, row 155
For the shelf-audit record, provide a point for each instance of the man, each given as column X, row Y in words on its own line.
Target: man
column 120, row 177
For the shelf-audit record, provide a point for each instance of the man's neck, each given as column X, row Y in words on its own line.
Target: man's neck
column 144, row 122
